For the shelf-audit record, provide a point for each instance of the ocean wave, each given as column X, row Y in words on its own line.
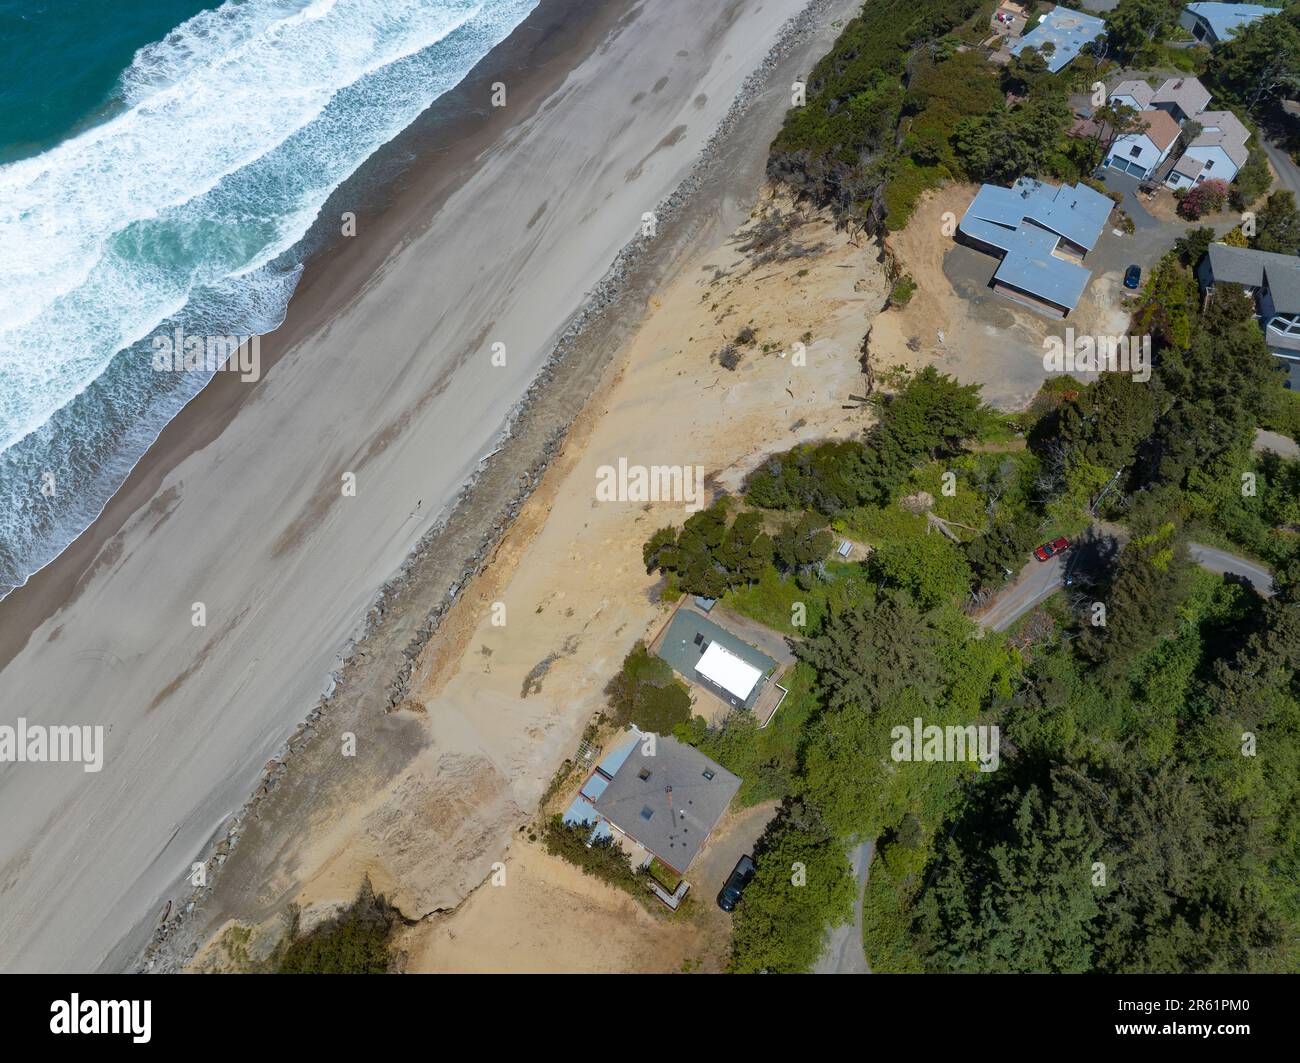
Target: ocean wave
column 237, row 128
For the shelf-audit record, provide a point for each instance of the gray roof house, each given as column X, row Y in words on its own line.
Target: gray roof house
column 1135, row 94
column 1183, row 98
column 1273, row 281
column 708, row 654
column 668, row 802
column 1042, row 233
column 1219, row 150
column 1215, row 23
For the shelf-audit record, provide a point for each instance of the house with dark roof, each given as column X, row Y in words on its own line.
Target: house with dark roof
column 657, row 793
column 1215, row 23
column 1182, row 98
column 1273, row 281
column 1042, row 233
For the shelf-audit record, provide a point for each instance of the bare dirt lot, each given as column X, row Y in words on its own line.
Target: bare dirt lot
column 958, row 323
column 550, row 917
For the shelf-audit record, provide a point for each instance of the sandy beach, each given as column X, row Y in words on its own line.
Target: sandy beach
column 383, row 376
column 504, row 704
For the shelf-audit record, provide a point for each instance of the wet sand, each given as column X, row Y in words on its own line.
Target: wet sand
column 383, row 371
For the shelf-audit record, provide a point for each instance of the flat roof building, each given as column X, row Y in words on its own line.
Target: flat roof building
column 1042, row 233
column 720, row 666
column 1215, row 23
column 1060, row 36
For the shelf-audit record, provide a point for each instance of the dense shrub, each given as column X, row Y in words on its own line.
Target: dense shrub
column 646, row 693
column 355, row 942
column 1206, row 198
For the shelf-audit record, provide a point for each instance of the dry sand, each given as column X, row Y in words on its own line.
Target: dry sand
column 547, row 916
column 248, row 516
column 576, row 597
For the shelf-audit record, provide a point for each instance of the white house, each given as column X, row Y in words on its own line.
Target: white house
column 1218, row 151
column 1140, row 152
column 1135, row 94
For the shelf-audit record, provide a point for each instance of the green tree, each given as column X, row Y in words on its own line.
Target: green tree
column 866, row 654
column 802, row 886
column 1181, row 870
column 802, row 542
column 1149, row 580
column 1259, row 66
column 1169, row 304
column 1134, row 24
column 1012, row 891
column 1277, row 226
column 931, row 568
column 1192, row 246
column 1252, row 180
column 1004, row 145
column 354, row 942
column 646, row 693
column 1109, row 421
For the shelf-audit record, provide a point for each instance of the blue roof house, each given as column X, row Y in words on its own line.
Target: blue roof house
column 1215, row 23
column 1042, row 234
column 1061, row 35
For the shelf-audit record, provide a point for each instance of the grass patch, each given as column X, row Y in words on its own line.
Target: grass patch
column 771, row 601
column 902, row 291
column 664, row 875
column 906, row 185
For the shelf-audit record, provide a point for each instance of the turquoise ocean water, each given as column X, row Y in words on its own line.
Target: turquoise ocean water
column 160, row 164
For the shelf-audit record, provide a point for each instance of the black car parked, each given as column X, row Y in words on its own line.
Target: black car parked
column 736, row 883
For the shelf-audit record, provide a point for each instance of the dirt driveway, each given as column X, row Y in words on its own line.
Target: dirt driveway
column 958, row 323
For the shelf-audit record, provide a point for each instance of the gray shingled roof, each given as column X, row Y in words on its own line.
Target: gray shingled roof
column 1188, row 93
column 1228, row 133
column 1139, row 90
column 1243, row 265
column 674, row 807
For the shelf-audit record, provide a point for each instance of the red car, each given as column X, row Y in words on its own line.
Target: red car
column 1051, row 549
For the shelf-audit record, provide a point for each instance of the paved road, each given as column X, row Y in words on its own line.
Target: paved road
column 1283, row 446
column 1287, row 171
column 844, row 953
column 1038, row 581
column 1222, row 562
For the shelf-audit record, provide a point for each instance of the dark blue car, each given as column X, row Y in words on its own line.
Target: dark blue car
column 736, row 883
column 1133, row 277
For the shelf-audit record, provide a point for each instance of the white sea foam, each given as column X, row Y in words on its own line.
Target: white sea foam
column 100, row 237
column 234, row 131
